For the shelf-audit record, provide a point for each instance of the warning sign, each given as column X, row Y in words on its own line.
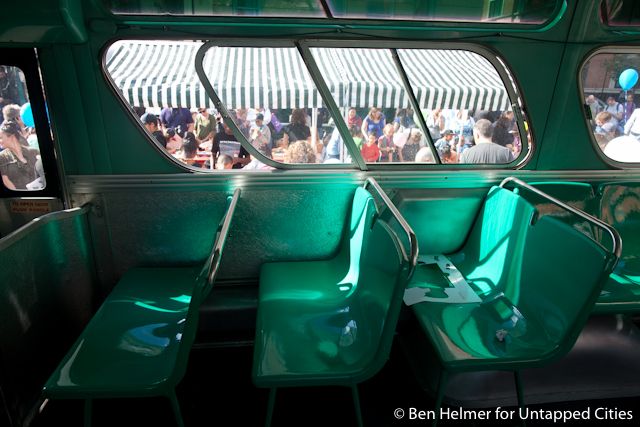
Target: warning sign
column 30, row 206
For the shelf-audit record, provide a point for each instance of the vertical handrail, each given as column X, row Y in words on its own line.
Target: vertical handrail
column 412, row 257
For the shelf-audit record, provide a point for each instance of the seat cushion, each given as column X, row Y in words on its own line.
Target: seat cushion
column 307, row 326
column 132, row 344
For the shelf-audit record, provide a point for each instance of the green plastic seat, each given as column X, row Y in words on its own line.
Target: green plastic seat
column 331, row 322
column 535, row 281
column 138, row 342
column 620, row 207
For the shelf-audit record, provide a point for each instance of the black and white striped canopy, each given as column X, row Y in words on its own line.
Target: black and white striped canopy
column 162, row 74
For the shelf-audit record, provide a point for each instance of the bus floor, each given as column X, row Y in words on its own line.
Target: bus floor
column 217, row 391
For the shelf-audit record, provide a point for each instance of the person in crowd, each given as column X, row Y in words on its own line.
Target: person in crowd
column 224, row 162
column 447, row 155
column 446, row 140
column 205, row 128
column 606, row 127
column 189, row 149
column 353, row 119
column 411, row 147
column 632, row 126
column 150, row 122
column 252, row 113
column 387, row 148
column 260, row 135
column 435, row 123
column 629, row 106
column 227, row 138
column 300, row 152
column 501, row 131
column 485, row 150
column 40, row 182
column 275, row 127
column 356, row 134
column 373, row 123
column 176, row 117
column 9, row 93
column 333, row 147
column 462, row 124
column 256, row 164
column 370, row 151
column 615, row 108
column 297, row 130
column 17, row 160
column 424, row 155
column 593, row 105
column 11, row 112
column 403, row 119
column 174, row 140
column 242, row 122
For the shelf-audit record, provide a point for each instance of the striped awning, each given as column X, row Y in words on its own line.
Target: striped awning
column 162, row 74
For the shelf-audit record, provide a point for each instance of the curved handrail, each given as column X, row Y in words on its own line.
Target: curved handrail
column 616, row 241
column 213, row 262
column 413, row 241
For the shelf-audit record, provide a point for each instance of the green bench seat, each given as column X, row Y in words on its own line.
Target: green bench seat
column 532, row 282
column 620, row 207
column 138, row 342
column 331, row 322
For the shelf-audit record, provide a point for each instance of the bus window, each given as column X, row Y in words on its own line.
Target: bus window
column 159, row 82
column 217, row 8
column 490, row 11
column 268, row 91
column 20, row 162
column 366, row 84
column 498, row 11
column 454, row 89
column 620, row 13
column 611, row 103
column 464, row 103
column 275, row 104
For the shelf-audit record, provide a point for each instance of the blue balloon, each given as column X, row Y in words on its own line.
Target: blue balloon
column 27, row 115
column 628, row 78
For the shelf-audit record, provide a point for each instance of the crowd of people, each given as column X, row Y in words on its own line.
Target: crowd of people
column 616, row 126
column 202, row 138
column 20, row 162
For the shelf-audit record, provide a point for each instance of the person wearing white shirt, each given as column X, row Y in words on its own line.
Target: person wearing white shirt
column 632, row 127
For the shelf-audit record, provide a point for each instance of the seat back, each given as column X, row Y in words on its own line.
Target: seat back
column 562, row 276
column 494, row 250
column 380, row 274
column 356, row 237
column 539, row 276
column 205, row 280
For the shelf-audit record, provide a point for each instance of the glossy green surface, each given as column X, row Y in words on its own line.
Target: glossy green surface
column 620, row 207
column 331, row 321
column 137, row 342
column 538, row 283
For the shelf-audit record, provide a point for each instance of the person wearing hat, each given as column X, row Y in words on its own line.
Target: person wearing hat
column 150, row 122
column 447, row 138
